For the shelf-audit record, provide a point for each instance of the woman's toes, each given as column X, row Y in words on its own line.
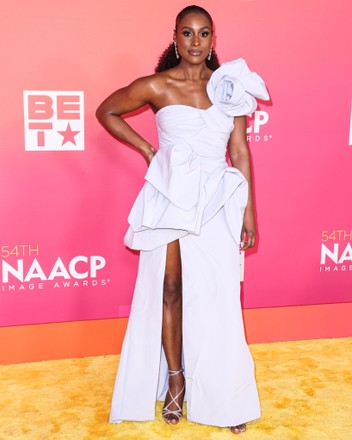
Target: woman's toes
column 238, row 429
column 172, row 420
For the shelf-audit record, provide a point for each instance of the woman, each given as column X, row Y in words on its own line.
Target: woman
column 185, row 336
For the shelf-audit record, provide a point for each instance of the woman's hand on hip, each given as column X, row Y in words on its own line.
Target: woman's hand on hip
column 148, row 153
column 248, row 230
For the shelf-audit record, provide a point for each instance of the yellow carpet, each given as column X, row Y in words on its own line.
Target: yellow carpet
column 305, row 389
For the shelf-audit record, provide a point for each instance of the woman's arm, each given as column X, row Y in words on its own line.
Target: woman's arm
column 127, row 99
column 240, row 159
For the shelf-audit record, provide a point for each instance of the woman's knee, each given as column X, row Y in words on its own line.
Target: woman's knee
column 172, row 290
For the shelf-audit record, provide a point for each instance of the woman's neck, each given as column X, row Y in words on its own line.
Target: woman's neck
column 192, row 72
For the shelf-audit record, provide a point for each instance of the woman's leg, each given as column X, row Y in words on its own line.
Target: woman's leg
column 172, row 326
column 172, row 329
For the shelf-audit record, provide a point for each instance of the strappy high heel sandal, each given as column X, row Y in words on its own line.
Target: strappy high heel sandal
column 176, row 412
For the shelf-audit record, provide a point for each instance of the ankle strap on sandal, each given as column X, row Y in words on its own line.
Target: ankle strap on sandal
column 175, row 372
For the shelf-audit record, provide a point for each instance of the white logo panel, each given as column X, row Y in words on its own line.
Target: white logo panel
column 53, row 120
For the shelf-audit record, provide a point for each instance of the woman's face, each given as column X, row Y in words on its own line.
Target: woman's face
column 194, row 37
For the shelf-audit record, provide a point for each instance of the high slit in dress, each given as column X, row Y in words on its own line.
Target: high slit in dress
column 193, row 195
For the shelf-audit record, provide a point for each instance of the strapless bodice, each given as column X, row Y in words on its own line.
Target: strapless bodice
column 205, row 131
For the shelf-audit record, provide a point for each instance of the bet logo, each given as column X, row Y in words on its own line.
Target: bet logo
column 53, row 121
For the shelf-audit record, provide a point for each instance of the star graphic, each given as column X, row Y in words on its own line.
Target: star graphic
column 68, row 135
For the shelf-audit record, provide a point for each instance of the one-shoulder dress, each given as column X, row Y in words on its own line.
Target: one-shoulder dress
column 193, row 195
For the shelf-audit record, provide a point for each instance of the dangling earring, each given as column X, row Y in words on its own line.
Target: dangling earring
column 210, row 52
column 176, row 51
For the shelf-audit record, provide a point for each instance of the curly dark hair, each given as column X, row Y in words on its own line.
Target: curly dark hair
column 168, row 58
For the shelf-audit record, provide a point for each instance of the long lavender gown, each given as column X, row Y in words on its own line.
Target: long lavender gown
column 191, row 194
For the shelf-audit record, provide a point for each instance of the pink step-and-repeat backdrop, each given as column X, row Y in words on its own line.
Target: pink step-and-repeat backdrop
column 66, row 186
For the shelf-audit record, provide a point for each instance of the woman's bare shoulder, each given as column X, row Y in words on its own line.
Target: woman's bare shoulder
column 156, row 81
